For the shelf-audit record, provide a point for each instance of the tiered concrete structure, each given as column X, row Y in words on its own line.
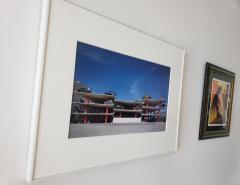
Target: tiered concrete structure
column 97, row 108
column 89, row 107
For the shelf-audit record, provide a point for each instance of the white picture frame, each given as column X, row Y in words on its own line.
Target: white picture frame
column 51, row 153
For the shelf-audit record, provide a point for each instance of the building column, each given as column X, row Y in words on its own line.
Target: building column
column 106, row 116
column 85, row 116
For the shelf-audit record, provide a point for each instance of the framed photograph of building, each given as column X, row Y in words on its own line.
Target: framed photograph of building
column 217, row 102
column 105, row 93
column 117, row 94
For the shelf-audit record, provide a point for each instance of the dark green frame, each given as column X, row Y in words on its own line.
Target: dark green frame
column 206, row 132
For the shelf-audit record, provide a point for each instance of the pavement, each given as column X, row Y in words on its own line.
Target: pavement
column 99, row 129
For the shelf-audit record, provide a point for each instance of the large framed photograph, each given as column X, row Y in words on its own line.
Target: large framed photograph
column 117, row 94
column 217, row 102
column 105, row 93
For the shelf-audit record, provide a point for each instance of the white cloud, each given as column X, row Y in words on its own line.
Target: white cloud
column 134, row 87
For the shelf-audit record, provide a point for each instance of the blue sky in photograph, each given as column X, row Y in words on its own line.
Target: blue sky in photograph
column 131, row 78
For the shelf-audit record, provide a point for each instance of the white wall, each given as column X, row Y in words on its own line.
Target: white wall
column 208, row 29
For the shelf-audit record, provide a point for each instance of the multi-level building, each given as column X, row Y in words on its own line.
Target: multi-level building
column 93, row 108
column 88, row 107
column 151, row 109
column 127, row 112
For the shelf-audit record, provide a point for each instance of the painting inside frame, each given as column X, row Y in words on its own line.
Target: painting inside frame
column 117, row 94
column 219, row 103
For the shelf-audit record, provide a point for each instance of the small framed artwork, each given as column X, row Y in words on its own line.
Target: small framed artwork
column 104, row 93
column 217, row 102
